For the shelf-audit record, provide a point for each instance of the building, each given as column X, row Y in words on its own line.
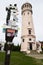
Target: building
column 41, row 44
column 28, row 34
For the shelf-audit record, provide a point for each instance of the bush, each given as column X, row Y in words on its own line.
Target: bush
column 12, row 47
column 16, row 48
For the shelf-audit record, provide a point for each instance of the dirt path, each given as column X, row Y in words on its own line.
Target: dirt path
column 37, row 56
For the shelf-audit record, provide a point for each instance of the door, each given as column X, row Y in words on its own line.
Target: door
column 30, row 46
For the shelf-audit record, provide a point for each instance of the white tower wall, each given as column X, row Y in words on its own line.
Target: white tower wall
column 28, row 34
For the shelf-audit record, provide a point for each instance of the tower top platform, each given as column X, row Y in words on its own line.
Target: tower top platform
column 26, row 5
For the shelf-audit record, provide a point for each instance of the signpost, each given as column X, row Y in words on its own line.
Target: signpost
column 11, row 30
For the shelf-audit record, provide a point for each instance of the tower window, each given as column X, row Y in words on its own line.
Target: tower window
column 25, row 5
column 29, row 23
column 23, row 40
column 30, row 39
column 29, row 31
column 24, row 13
column 28, row 12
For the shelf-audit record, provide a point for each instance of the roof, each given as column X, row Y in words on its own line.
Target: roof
column 25, row 4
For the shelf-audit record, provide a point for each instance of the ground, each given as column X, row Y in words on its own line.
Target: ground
column 18, row 58
column 37, row 56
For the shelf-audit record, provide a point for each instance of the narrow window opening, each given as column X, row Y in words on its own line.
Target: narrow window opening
column 24, row 13
column 28, row 12
column 29, row 31
column 30, row 39
column 23, row 40
column 29, row 23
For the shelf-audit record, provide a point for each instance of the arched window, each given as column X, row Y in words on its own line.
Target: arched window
column 29, row 39
column 27, row 5
column 29, row 31
column 29, row 23
column 28, row 13
column 23, row 40
column 24, row 13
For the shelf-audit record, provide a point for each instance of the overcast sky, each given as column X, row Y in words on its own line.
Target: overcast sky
column 37, row 17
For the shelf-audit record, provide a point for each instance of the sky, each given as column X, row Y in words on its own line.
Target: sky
column 37, row 7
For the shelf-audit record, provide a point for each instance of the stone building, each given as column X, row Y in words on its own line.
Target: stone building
column 28, row 34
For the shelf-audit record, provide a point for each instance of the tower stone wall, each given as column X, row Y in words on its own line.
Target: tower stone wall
column 28, row 34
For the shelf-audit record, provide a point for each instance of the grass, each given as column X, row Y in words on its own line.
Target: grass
column 18, row 58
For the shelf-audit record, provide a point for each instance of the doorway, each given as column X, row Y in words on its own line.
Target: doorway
column 30, row 46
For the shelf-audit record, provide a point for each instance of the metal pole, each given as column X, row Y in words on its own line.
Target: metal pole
column 8, row 54
column 8, row 48
column 9, row 38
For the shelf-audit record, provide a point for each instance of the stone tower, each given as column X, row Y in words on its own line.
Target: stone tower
column 28, row 34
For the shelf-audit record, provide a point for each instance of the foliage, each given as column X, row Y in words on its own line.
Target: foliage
column 12, row 46
column 15, row 48
column 0, row 46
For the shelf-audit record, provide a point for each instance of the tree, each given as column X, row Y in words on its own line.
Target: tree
column 12, row 47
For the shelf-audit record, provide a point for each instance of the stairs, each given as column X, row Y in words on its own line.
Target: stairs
column 35, row 54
